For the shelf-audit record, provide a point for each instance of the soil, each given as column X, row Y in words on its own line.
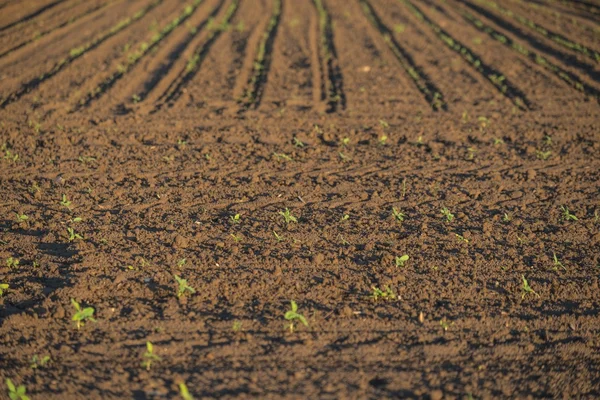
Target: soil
column 133, row 133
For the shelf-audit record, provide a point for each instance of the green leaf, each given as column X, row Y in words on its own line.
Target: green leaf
column 294, row 306
column 11, row 386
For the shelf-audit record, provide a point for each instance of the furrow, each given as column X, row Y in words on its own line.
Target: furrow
column 32, row 15
column 76, row 53
column 49, row 31
column 134, row 57
column 571, row 79
column 431, row 93
column 262, row 60
column 496, row 78
column 555, row 37
column 333, row 83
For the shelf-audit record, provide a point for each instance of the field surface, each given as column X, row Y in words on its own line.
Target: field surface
column 421, row 177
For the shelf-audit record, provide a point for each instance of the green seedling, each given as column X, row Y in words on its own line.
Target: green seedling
column 183, row 288
column 445, row 324
column 526, row 289
column 149, row 356
column 287, row 215
column 181, row 262
column 382, row 140
column 64, row 202
column 86, row 159
column 236, row 238
column 461, row 238
column 81, row 314
column 345, row 141
column 3, row 288
column 277, row 236
column 345, row 217
column 557, row 263
column 184, row 392
column 34, row 188
column 506, row 218
column 16, row 393
column 235, row 219
column 398, row 215
column 298, row 142
column 343, row 157
column 566, row 215
column 543, row 155
column 37, row 362
column 75, row 220
column 73, row 235
column 21, row 217
column 293, row 315
column 237, row 326
column 282, row 156
column 386, row 294
column 400, row 261
column 446, row 213
column 12, row 262
column 498, row 141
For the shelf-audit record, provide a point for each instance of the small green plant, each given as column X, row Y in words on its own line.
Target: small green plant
column 400, row 261
column 298, row 142
column 386, row 294
column 12, row 262
column 3, row 288
column 566, row 214
column 446, row 213
column 461, row 238
column 293, row 315
column 235, row 219
column 398, row 215
column 278, row 236
column 149, row 356
column 506, row 218
column 557, row 263
column 184, row 392
column 526, row 289
column 236, row 238
column 345, row 217
column 37, row 361
column 65, row 202
column 81, row 314
column 382, row 140
column 237, row 326
column 287, row 216
column 182, row 287
column 21, row 217
column 181, row 262
column 282, row 156
column 73, row 235
column 543, row 155
column 16, row 392
column 445, row 324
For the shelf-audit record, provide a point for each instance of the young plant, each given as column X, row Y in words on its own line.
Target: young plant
column 345, row 217
column 386, row 294
column 526, row 289
column 293, row 315
column 16, row 392
column 566, row 215
column 21, row 217
column 37, row 362
column 182, row 287
column 237, row 326
column 12, row 262
column 287, row 216
column 72, row 235
column 149, row 356
column 462, row 238
column 557, row 263
column 445, row 324
column 81, row 314
column 400, row 261
column 278, row 236
column 236, row 238
column 446, row 213
column 298, row 142
column 65, row 202
column 3, row 287
column 398, row 215
column 235, row 219
column 184, row 392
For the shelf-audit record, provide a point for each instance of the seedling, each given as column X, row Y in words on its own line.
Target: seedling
column 86, row 159
column 181, row 262
column 343, row 157
column 16, row 393
column 461, row 238
column 526, row 289
column 293, row 315
column 382, row 140
column 283, row 156
column 543, row 155
column 236, row 238
column 73, row 235
column 400, row 261
column 345, row 141
column 235, row 219
column 237, row 326
column 37, row 361
column 82, row 314
column 566, row 215
column 3, row 287
column 277, row 236
column 345, row 217
column 12, row 262
column 445, row 324
column 557, row 263
column 398, row 215
column 298, row 142
column 65, row 202
column 446, row 213
column 183, row 287
column 506, row 218
column 184, row 392
column 149, row 356
column 21, row 217
column 386, row 294
column 287, row 215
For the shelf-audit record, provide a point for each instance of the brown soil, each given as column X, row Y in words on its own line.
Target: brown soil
column 160, row 125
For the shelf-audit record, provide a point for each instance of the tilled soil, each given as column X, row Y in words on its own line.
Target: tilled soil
column 148, row 139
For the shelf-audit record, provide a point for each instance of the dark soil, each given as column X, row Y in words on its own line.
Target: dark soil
column 147, row 141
